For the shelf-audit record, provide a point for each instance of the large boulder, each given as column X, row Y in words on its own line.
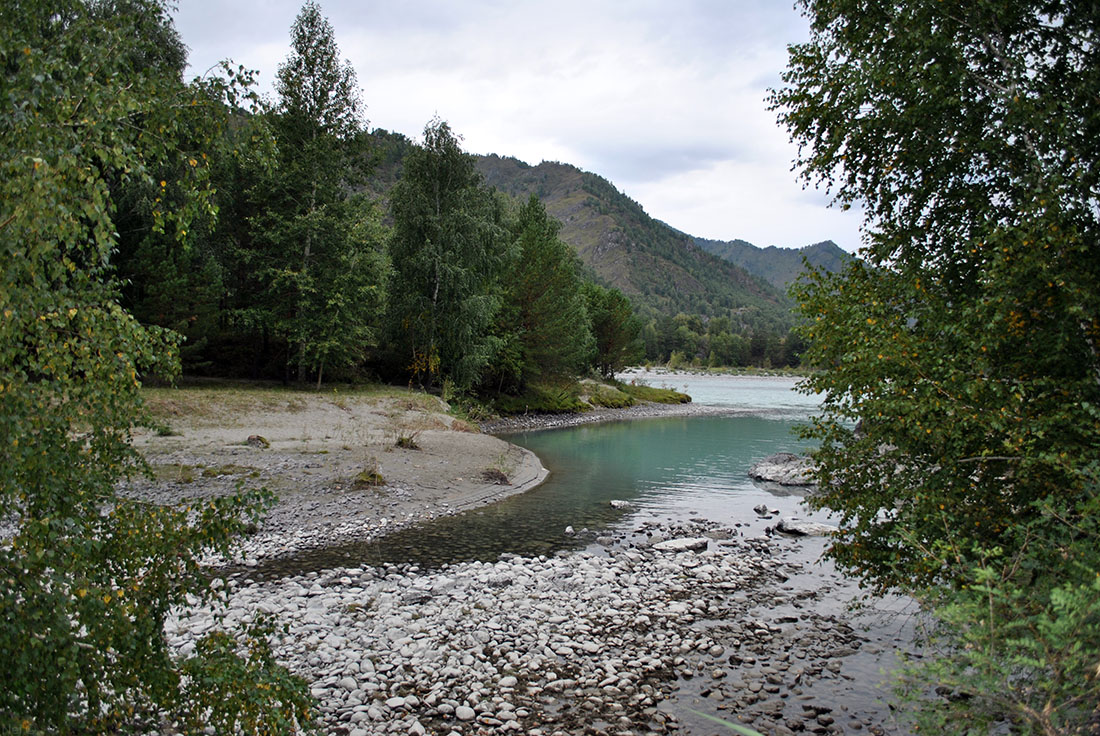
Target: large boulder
column 800, row 528
column 784, row 468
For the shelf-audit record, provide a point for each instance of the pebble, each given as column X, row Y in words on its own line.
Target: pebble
column 591, row 636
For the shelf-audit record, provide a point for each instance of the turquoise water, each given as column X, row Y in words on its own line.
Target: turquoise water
column 675, row 467
column 773, row 396
column 672, row 466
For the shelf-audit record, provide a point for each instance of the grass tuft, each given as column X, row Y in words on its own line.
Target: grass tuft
column 641, row 392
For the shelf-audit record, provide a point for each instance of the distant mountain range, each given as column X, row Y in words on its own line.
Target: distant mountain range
column 663, row 271
column 779, row 266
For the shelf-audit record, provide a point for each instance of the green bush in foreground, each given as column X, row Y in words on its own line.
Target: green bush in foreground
column 960, row 360
column 1019, row 641
column 87, row 578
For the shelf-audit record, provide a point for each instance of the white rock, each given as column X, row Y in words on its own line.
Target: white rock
column 682, row 544
column 465, row 713
column 800, row 528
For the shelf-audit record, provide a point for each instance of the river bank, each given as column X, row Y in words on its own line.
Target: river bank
column 641, row 410
column 345, row 467
column 599, row 642
column 616, row 638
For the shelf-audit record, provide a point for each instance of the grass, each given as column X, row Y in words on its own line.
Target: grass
column 605, row 395
column 176, row 472
column 407, row 441
column 543, row 399
column 500, row 472
column 641, row 392
column 230, row 469
column 582, row 396
column 369, row 476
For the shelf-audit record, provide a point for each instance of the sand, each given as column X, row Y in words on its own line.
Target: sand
column 318, row 451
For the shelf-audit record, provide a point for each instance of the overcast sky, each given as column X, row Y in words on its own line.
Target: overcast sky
column 665, row 99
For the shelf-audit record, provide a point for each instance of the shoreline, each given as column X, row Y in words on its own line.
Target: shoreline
column 617, row 638
column 628, row 639
column 641, row 410
column 346, row 468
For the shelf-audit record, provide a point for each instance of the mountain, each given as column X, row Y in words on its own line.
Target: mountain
column 662, row 270
column 779, row 266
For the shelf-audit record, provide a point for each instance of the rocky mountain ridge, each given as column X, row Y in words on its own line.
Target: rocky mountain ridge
column 663, row 270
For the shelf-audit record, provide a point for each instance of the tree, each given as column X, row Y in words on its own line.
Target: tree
column 184, row 289
column 543, row 323
column 321, row 247
column 88, row 576
column 960, row 361
column 616, row 330
column 448, row 248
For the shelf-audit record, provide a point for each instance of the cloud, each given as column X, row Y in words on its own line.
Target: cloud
column 746, row 200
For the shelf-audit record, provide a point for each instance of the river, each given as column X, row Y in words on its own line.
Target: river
column 669, row 469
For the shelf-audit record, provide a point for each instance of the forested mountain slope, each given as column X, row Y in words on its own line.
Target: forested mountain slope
column 659, row 267
column 662, row 270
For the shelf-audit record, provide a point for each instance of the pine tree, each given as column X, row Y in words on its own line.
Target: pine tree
column 544, row 323
column 617, row 331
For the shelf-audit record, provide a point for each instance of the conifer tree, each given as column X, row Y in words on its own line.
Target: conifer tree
column 543, row 325
column 616, row 330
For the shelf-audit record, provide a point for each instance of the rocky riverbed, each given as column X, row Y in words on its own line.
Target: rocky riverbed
column 619, row 638
column 612, row 641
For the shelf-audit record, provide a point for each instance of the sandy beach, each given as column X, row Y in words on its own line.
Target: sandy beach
column 344, row 466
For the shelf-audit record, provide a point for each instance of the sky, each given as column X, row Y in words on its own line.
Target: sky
column 664, row 98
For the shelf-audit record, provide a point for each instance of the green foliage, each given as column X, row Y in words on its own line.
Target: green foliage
column 968, row 344
column 276, row 702
column 676, row 361
column 606, row 395
column 662, row 270
column 643, row 392
column 319, row 248
column 780, row 267
column 448, row 249
column 543, row 398
column 960, row 364
column 88, row 577
column 369, row 476
column 615, row 328
column 1018, row 642
column 543, row 323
